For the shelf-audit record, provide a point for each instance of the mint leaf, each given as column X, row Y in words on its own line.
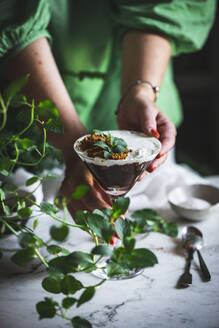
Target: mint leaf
column 78, row 322
column 23, row 256
column 47, row 109
column 80, row 191
column 120, row 206
column 48, row 208
column 54, row 125
column 26, row 239
column 102, row 145
column 59, row 233
column 68, row 302
column 141, row 258
column 107, row 155
column 70, row 285
column 46, row 309
column 51, row 285
column 103, row 250
column 15, row 87
column 10, row 188
column 86, row 296
column 32, row 180
column 101, row 227
column 24, row 213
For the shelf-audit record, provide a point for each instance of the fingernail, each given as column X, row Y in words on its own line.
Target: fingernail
column 155, row 133
column 160, row 155
column 151, row 169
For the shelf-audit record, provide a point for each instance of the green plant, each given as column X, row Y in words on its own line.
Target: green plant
column 103, row 225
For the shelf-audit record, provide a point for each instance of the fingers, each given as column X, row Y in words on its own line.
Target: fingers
column 156, row 163
column 148, row 120
column 167, row 132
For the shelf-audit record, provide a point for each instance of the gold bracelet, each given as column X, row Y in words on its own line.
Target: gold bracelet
column 155, row 89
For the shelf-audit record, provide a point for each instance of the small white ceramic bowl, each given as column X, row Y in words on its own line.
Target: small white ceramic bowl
column 195, row 202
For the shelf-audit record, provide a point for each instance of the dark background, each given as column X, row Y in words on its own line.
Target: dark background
column 197, row 78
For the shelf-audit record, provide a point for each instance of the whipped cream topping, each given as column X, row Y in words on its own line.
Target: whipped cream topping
column 144, row 148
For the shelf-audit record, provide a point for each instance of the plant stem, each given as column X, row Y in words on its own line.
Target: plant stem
column 43, row 260
column 4, row 112
column 9, row 227
column 30, row 122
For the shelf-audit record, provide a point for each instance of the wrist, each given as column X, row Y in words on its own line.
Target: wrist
column 144, row 90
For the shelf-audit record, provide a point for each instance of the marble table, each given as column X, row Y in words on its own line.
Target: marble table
column 150, row 300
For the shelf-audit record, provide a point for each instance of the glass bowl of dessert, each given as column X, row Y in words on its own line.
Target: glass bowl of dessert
column 116, row 159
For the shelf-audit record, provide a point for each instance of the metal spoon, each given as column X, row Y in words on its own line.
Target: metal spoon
column 193, row 241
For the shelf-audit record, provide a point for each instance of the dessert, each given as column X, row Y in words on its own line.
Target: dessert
column 117, row 158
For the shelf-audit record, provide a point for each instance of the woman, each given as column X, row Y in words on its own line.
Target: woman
column 79, row 53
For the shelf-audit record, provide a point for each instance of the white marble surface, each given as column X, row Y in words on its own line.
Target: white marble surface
column 149, row 300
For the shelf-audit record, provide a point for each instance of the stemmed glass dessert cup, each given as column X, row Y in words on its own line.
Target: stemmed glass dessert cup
column 117, row 177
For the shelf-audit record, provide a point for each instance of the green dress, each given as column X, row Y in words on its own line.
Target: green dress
column 85, row 38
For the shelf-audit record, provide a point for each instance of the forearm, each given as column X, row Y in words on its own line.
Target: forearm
column 45, row 83
column 145, row 56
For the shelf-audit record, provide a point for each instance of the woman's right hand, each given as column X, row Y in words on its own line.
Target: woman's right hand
column 77, row 173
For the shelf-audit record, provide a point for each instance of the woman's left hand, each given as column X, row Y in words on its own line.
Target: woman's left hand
column 138, row 112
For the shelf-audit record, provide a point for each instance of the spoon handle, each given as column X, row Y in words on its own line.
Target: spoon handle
column 203, row 267
column 186, row 278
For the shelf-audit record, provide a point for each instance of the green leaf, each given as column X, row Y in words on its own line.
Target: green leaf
column 103, row 250
column 24, row 256
column 59, row 233
column 25, row 143
column 32, row 180
column 51, row 285
column 102, row 145
column 54, row 249
column 141, row 258
column 118, row 149
column 48, row 208
column 54, row 125
column 15, row 87
column 10, row 188
column 35, row 224
column 18, row 100
column 168, row 228
column 46, row 309
column 78, row 322
column 70, row 285
column 107, row 155
column 118, row 142
column 146, row 214
column 86, row 295
column 71, row 263
column 1, row 255
column 80, row 191
column 129, row 244
column 60, row 266
column 123, row 228
column 26, row 239
column 80, row 217
column 120, row 206
column 24, row 213
column 102, row 213
column 67, row 302
column 115, row 269
column 102, row 228
column 80, row 259
column 47, row 109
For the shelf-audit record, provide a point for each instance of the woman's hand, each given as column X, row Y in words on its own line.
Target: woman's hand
column 138, row 112
column 75, row 175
